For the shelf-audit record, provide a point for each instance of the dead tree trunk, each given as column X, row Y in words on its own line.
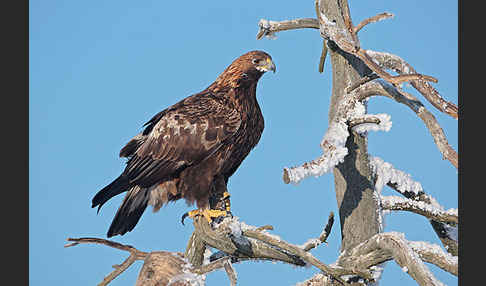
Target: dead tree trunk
column 354, row 186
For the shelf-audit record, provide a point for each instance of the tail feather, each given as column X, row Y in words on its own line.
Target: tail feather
column 118, row 186
column 130, row 211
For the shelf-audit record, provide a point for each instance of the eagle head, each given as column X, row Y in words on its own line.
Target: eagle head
column 256, row 61
column 247, row 68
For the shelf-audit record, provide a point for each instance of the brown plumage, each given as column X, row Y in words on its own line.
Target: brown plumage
column 189, row 149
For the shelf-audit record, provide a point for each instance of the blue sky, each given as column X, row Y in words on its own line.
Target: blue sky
column 98, row 70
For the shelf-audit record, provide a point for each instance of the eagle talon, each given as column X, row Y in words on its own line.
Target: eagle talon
column 207, row 213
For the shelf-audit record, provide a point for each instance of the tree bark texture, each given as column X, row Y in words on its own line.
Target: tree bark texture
column 358, row 208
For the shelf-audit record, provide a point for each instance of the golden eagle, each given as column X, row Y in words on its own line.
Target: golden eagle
column 190, row 149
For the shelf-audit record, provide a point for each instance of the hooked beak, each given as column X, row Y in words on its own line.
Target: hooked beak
column 267, row 66
column 270, row 65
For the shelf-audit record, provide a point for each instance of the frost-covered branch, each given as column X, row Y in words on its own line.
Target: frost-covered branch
column 394, row 203
column 423, row 203
column 381, row 88
column 397, row 64
column 371, row 122
column 386, row 173
column 433, row 253
column 269, row 28
column 385, row 246
column 333, row 153
column 243, row 242
column 227, row 238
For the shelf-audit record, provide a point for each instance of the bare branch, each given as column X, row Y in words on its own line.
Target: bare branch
column 313, row 243
column 322, row 59
column 269, row 28
column 139, row 254
column 362, row 81
column 373, row 19
column 119, row 269
column 230, row 271
column 135, row 255
column 395, row 203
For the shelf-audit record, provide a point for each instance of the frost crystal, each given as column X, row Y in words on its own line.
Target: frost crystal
column 384, row 125
column 207, row 255
column 333, row 146
column 188, row 276
column 385, row 173
column 265, row 25
column 422, row 246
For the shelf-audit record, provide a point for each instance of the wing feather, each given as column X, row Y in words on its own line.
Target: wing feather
column 181, row 136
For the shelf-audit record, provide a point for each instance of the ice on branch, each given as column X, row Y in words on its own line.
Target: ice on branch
column 187, row 276
column 265, row 26
column 384, row 124
column 333, row 146
column 386, row 173
column 431, row 211
column 424, row 248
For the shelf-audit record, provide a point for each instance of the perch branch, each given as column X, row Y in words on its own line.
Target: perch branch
column 242, row 242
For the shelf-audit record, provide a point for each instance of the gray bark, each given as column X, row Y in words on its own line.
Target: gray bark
column 354, row 186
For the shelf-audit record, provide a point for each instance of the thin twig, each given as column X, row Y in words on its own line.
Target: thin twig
column 322, row 59
column 140, row 254
column 379, row 87
column 135, row 255
column 373, row 19
column 119, row 269
column 362, row 81
column 313, row 243
column 397, row 64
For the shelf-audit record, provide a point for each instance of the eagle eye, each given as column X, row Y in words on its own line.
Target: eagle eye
column 255, row 61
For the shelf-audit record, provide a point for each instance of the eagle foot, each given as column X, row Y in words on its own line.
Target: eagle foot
column 207, row 213
column 226, row 200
